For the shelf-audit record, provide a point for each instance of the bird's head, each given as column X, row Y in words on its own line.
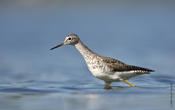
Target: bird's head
column 70, row 39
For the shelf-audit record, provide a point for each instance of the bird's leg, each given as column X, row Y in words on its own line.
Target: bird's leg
column 128, row 82
column 107, row 85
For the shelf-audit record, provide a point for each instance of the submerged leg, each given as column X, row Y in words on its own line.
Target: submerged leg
column 128, row 83
column 107, row 85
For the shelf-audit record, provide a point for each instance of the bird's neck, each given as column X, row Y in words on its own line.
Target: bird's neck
column 84, row 50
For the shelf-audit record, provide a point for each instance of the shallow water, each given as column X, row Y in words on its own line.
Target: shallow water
column 58, row 95
column 136, row 32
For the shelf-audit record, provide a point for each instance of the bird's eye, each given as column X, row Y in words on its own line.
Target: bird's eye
column 69, row 38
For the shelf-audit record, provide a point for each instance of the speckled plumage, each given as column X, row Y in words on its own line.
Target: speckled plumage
column 104, row 68
column 108, row 69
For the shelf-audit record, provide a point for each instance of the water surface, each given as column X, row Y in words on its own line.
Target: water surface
column 137, row 32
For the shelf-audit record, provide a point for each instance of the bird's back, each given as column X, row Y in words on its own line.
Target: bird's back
column 118, row 66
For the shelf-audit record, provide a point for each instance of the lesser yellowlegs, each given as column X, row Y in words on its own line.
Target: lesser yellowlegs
column 104, row 68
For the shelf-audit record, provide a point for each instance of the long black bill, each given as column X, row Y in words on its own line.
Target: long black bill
column 57, row 46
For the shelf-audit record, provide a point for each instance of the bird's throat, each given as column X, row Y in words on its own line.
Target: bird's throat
column 84, row 50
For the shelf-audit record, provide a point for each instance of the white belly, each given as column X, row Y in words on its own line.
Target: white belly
column 105, row 75
column 102, row 73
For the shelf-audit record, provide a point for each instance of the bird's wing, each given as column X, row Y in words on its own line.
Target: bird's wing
column 118, row 66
